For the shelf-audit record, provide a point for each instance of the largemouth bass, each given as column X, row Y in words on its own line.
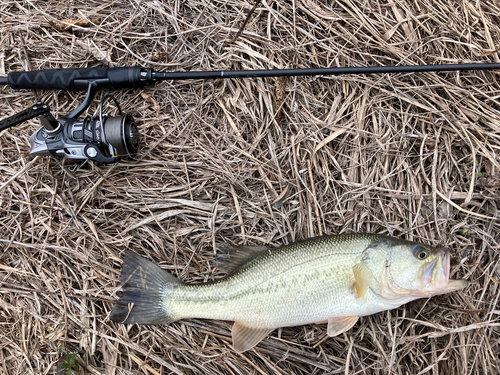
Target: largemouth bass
column 333, row 279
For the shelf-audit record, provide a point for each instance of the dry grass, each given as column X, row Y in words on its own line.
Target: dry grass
column 410, row 155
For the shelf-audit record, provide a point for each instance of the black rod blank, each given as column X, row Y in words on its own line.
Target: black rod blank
column 321, row 71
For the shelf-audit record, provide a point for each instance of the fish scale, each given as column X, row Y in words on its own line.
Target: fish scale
column 318, row 270
column 334, row 279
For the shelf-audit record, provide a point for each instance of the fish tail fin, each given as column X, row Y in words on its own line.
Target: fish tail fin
column 145, row 287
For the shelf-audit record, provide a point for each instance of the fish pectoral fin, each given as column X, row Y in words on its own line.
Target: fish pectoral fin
column 362, row 278
column 340, row 324
column 246, row 337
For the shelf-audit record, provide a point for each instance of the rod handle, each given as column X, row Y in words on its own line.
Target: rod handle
column 78, row 79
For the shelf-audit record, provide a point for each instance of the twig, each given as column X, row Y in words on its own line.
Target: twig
column 242, row 27
column 313, row 191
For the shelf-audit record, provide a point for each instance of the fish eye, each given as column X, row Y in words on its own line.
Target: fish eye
column 420, row 252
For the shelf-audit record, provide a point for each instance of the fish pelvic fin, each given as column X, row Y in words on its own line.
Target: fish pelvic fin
column 338, row 325
column 246, row 337
column 231, row 260
column 145, row 287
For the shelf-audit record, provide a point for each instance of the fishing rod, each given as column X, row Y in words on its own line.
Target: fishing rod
column 105, row 138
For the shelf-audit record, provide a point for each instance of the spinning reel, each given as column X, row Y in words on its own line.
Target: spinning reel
column 100, row 138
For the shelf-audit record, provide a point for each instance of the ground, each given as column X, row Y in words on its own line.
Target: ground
column 261, row 161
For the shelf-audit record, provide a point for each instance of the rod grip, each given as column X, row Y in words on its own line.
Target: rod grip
column 64, row 79
column 54, row 79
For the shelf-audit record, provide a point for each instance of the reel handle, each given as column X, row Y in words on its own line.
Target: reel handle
column 37, row 110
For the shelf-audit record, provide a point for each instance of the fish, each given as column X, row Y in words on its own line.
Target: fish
column 330, row 279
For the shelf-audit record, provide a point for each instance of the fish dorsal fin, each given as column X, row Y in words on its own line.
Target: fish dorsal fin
column 340, row 324
column 246, row 337
column 233, row 258
column 362, row 278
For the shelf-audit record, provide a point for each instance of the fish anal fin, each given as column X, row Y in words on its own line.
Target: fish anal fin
column 230, row 260
column 246, row 337
column 362, row 278
column 338, row 325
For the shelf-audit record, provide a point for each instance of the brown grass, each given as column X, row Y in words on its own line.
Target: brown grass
column 409, row 155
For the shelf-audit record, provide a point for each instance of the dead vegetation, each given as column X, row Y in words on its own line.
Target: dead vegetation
column 244, row 162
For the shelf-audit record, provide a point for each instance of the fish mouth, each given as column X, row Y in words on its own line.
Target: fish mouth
column 435, row 277
column 437, row 272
